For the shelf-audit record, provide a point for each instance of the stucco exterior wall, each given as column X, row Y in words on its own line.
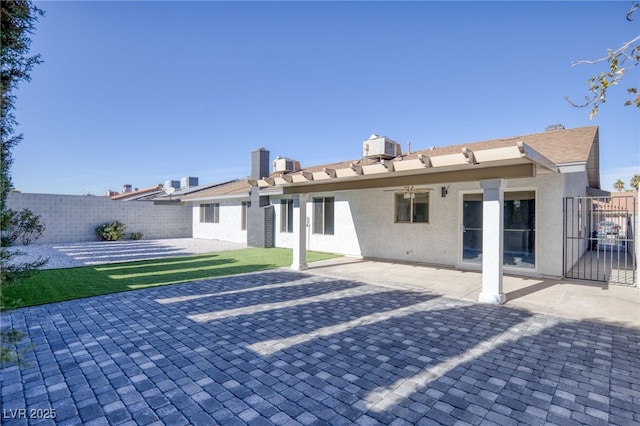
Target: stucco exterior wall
column 364, row 224
column 73, row 218
column 229, row 227
column 380, row 237
column 343, row 241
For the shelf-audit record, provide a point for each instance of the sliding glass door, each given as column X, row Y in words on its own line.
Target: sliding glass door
column 519, row 229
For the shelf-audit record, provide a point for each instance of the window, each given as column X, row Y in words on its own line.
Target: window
column 210, row 213
column 323, row 215
column 286, row 215
column 245, row 205
column 412, row 207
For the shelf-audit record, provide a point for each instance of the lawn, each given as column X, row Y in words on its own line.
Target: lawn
column 56, row 285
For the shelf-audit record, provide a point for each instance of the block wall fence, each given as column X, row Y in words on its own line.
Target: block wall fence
column 73, row 218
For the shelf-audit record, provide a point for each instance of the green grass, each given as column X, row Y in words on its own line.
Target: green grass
column 56, row 285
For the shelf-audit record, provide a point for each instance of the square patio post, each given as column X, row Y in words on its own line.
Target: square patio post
column 492, row 241
column 300, row 232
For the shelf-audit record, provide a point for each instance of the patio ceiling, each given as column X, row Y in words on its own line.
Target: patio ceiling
column 517, row 161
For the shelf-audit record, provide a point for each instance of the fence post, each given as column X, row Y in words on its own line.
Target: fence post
column 636, row 238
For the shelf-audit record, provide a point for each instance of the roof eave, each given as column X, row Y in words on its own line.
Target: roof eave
column 219, row 197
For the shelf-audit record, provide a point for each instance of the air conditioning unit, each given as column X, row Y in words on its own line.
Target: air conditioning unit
column 380, row 147
column 284, row 164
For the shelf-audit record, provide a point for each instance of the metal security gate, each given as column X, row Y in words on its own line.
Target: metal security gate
column 599, row 239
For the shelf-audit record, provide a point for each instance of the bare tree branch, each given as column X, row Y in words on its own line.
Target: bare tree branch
column 621, row 51
column 634, row 6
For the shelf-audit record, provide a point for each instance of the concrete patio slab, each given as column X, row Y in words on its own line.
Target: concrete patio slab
column 574, row 299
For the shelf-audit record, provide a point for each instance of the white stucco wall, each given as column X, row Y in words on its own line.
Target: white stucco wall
column 381, row 237
column 344, row 239
column 364, row 224
column 228, row 229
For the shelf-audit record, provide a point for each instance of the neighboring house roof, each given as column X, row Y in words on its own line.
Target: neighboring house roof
column 134, row 195
column 232, row 188
column 177, row 196
column 619, row 201
column 181, row 193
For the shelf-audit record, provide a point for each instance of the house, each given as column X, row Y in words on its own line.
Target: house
column 129, row 193
column 171, row 192
column 503, row 205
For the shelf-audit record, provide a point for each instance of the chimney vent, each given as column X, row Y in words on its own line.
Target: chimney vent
column 259, row 163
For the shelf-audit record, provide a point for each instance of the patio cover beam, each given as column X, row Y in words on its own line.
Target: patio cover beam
column 400, row 179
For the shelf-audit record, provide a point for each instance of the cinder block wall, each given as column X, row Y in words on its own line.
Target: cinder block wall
column 72, row 218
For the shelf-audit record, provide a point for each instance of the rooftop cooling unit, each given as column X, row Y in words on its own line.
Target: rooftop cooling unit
column 381, row 147
column 188, row 182
column 284, row 164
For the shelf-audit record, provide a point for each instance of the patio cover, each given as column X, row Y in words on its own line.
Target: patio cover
column 490, row 167
column 516, row 161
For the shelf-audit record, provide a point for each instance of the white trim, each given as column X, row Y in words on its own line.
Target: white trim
column 572, row 167
column 221, row 197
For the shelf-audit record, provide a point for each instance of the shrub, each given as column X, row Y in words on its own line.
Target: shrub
column 136, row 235
column 24, row 225
column 113, row 231
column 13, row 272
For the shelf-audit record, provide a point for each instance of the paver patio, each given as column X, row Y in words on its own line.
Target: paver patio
column 285, row 347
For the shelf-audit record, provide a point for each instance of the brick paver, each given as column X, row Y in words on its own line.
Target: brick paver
column 315, row 350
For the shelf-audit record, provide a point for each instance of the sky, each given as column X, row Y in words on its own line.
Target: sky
column 142, row 92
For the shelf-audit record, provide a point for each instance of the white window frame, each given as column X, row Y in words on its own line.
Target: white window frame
column 286, row 216
column 319, row 223
column 215, row 213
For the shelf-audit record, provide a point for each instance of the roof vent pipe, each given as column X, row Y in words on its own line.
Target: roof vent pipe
column 553, row 127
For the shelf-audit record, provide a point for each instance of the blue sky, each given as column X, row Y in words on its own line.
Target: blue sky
column 142, row 92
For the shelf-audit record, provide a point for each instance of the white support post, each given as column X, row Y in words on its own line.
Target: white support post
column 492, row 241
column 300, row 233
